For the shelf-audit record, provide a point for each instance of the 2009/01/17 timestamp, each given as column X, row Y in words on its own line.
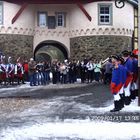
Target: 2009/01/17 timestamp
column 116, row 118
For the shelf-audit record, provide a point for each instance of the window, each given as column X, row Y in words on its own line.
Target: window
column 60, row 19
column 1, row 13
column 105, row 14
column 42, row 19
column 51, row 22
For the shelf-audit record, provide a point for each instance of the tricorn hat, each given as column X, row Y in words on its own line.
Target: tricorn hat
column 115, row 57
column 125, row 53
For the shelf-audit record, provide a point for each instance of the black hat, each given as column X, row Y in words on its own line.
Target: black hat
column 115, row 57
column 125, row 53
column 121, row 59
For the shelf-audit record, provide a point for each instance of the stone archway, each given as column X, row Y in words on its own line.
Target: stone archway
column 50, row 50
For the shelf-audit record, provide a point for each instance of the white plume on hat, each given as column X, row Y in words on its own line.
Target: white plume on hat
column 9, row 58
column 31, row 59
column 18, row 59
column 65, row 60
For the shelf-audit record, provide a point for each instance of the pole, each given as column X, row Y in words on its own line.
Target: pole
column 139, row 53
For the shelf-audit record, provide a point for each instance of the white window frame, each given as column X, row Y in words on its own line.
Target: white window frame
column 39, row 23
column 1, row 18
column 109, row 5
column 63, row 19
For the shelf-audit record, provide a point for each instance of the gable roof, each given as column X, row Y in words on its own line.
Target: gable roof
column 133, row 2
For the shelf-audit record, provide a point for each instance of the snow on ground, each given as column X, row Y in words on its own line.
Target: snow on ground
column 23, row 86
column 53, row 105
column 49, row 86
column 80, row 129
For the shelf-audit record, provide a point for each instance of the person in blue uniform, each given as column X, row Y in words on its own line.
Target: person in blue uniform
column 134, row 85
column 116, row 84
column 123, row 80
column 128, row 64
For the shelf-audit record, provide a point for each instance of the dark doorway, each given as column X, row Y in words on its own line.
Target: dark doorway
column 43, row 57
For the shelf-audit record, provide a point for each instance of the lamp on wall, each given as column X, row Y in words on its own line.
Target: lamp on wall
column 120, row 3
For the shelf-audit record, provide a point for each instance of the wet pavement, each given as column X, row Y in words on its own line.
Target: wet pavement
column 22, row 107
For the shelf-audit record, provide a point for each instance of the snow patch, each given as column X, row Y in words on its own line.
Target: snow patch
column 53, row 105
column 133, row 107
column 83, row 129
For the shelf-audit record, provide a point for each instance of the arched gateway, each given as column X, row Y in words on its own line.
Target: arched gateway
column 50, row 50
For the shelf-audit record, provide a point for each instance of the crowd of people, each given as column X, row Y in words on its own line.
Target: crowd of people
column 43, row 72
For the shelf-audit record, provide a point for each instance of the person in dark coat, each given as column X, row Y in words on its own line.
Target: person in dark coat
column 47, row 70
column 32, row 72
column 26, row 70
column 54, row 69
column 83, row 71
column 72, row 72
column 90, row 69
column 108, row 72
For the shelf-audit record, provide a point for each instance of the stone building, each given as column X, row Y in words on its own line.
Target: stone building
column 59, row 29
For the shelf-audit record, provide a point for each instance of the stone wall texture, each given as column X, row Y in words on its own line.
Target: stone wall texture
column 98, row 47
column 16, row 46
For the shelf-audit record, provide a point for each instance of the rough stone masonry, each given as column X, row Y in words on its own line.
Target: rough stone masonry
column 98, row 47
column 16, row 46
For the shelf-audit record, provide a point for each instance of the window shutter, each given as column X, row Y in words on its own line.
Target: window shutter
column 38, row 18
column 46, row 19
column 56, row 18
column 65, row 14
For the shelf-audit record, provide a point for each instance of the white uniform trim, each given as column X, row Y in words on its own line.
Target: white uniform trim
column 117, row 97
column 121, row 90
column 127, row 90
